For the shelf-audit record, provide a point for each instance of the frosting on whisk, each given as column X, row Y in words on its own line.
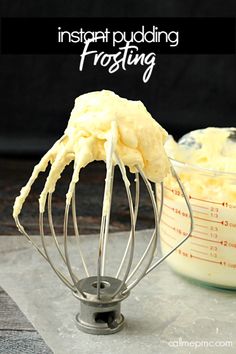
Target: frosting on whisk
column 97, row 118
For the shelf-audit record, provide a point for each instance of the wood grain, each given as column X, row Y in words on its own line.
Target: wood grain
column 17, row 335
column 14, row 173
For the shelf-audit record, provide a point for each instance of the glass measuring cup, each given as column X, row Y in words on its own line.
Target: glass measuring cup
column 209, row 255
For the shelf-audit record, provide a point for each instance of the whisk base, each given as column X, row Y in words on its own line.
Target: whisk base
column 100, row 315
column 100, row 328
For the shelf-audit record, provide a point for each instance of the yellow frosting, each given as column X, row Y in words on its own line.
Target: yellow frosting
column 208, row 173
column 97, row 118
column 213, row 150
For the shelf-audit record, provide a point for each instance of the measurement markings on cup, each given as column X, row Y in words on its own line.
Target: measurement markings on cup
column 206, row 259
column 201, row 252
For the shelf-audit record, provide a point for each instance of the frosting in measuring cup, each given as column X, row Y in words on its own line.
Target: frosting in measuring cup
column 205, row 161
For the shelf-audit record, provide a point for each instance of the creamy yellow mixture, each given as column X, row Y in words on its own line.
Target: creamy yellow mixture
column 208, row 173
column 97, row 119
column 213, row 149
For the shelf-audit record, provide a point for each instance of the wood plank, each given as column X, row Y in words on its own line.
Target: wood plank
column 17, row 334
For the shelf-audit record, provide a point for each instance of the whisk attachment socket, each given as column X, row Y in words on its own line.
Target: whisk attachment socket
column 100, row 316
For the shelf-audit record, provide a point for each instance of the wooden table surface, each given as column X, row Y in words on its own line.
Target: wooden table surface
column 14, row 173
column 17, row 335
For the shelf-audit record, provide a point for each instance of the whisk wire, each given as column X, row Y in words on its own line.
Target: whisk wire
column 132, row 223
column 74, row 278
column 29, row 238
column 107, row 222
column 77, row 234
column 136, row 206
column 52, row 229
column 190, row 228
column 161, row 197
column 103, row 239
column 153, row 241
column 45, row 253
column 59, row 274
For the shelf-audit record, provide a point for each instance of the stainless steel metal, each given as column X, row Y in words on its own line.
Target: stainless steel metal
column 101, row 295
column 100, row 316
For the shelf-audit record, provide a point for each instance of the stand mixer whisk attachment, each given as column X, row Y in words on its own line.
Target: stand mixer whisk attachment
column 113, row 135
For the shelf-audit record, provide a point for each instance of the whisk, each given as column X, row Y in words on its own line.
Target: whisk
column 100, row 295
